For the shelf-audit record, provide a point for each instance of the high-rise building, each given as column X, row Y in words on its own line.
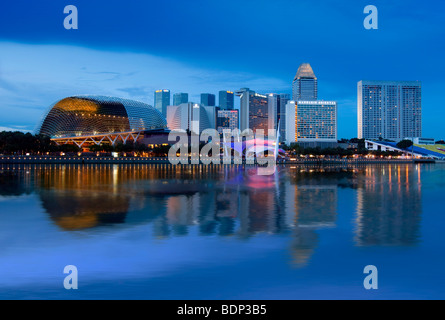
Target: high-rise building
column 226, row 100
column 389, row 109
column 227, row 119
column 254, row 110
column 207, row 99
column 277, row 112
column 191, row 116
column 273, row 106
column 289, row 124
column 304, row 86
column 162, row 100
column 316, row 122
column 179, row 98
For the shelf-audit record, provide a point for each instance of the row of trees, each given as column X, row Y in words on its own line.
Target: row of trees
column 20, row 143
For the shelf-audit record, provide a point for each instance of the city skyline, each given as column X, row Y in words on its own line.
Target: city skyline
column 89, row 61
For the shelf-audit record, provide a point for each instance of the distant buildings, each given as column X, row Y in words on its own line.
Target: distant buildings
column 289, row 123
column 162, row 100
column 304, row 86
column 226, row 100
column 389, row 109
column 313, row 122
column 179, row 98
column 207, row 99
column 254, row 110
column 227, row 119
column 191, row 117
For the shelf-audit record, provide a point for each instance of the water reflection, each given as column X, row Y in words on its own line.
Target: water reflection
column 233, row 200
column 389, row 206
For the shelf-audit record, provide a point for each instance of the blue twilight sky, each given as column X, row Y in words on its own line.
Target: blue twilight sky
column 132, row 48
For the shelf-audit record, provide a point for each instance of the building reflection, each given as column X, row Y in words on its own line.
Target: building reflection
column 231, row 200
column 389, row 206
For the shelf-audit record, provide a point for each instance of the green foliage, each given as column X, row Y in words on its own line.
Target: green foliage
column 404, row 144
column 21, row 143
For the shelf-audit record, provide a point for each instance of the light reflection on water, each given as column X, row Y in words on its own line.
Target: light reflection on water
column 375, row 206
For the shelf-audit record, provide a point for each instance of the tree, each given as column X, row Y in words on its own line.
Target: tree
column 404, row 144
column 440, row 142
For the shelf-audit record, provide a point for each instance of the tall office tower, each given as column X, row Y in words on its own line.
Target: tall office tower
column 179, row 98
column 207, row 99
column 273, row 103
column 162, row 100
column 389, row 109
column 227, row 119
column 282, row 99
column 316, row 123
column 226, row 100
column 191, row 116
column 253, row 110
column 289, row 123
column 304, row 86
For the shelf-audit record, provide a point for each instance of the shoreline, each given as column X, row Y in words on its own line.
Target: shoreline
column 141, row 160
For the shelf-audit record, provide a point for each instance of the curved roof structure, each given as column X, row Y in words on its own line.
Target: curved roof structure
column 94, row 115
column 305, row 71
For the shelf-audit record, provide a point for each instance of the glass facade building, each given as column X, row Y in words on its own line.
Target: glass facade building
column 389, row 109
column 179, row 98
column 304, row 86
column 226, row 100
column 98, row 115
column 207, row 99
column 162, row 100
column 254, row 110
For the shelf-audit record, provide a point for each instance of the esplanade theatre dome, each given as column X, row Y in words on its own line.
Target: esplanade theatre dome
column 96, row 115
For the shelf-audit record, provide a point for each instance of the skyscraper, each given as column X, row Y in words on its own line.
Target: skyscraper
column 289, row 123
column 304, row 86
column 207, row 99
column 389, row 109
column 191, row 116
column 162, row 100
column 179, row 98
column 277, row 112
column 226, row 100
column 254, row 110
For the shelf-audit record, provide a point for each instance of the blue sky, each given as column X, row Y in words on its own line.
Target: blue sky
column 132, row 48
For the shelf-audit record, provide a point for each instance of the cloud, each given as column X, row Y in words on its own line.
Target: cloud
column 29, row 83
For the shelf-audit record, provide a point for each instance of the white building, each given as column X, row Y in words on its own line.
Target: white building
column 191, row 116
column 289, row 123
column 389, row 109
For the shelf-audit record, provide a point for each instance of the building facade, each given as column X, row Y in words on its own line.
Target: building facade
column 304, row 86
column 316, row 121
column 254, row 110
column 227, row 119
column 226, row 100
column 179, row 98
column 207, row 99
column 389, row 109
column 162, row 100
column 191, row 117
column 289, row 124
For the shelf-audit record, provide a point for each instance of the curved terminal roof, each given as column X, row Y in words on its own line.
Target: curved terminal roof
column 94, row 115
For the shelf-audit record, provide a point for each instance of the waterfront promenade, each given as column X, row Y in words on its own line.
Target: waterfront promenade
column 163, row 160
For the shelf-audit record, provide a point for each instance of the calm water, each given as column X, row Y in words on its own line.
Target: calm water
column 161, row 232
